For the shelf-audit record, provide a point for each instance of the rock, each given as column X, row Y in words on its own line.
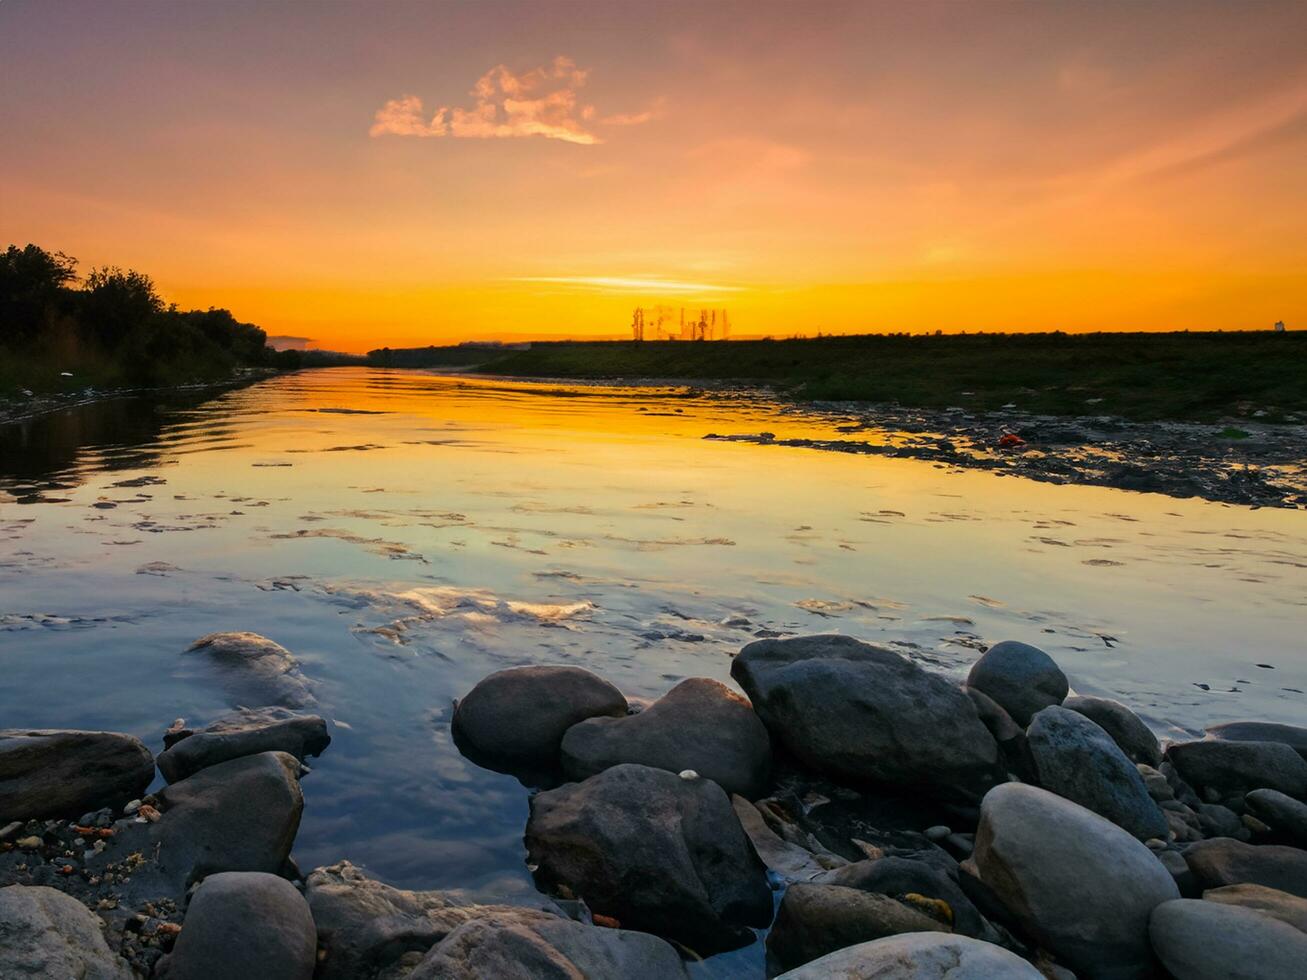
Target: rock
column 46, row 934
column 1281, row 812
column 255, row 670
column 244, row 924
column 520, row 715
column 48, row 773
column 791, row 861
column 1158, row 788
column 365, row 927
column 1077, row 883
column 918, row 956
column 531, row 945
column 1235, row 768
column 1198, row 940
column 818, row 919
column 1217, row 821
column 1269, row 901
column 1224, row 861
column 1075, row 758
column 1135, row 738
column 997, row 720
column 699, row 724
column 248, row 731
column 898, row 877
column 1262, row 731
column 658, row 853
column 1021, row 678
column 864, row 714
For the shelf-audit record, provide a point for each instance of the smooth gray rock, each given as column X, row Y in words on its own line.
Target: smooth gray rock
column 1270, row 901
column 1199, row 940
column 248, row 731
column 48, row 773
column 658, row 853
column 1021, row 678
column 1075, row 758
column 520, row 715
column 1077, row 883
column 700, row 724
column 1225, row 861
column 1129, row 732
column 818, row 919
column 539, row 946
column 918, row 956
column 1295, row 736
column 897, row 877
column 1234, row 768
column 253, row 669
column 864, row 714
column 46, row 934
column 1280, row 812
column 244, row 924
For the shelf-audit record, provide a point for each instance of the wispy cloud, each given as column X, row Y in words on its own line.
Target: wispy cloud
column 646, row 284
column 542, row 102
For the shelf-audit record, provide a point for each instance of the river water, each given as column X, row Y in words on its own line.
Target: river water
column 406, row 533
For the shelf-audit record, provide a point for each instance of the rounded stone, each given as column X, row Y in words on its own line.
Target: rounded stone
column 1021, row 678
column 918, row 956
column 1200, row 940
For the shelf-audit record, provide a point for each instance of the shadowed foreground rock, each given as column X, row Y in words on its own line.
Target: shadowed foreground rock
column 918, row 956
column 1199, row 940
column 1224, row 861
column 46, row 934
column 864, row 714
column 243, row 925
column 1269, row 901
column 1129, row 732
column 657, row 852
column 248, row 731
column 56, row 773
column 700, row 724
column 254, row 669
column 1281, row 812
column 898, row 877
column 1234, row 768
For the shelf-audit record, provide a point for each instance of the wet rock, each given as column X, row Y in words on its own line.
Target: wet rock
column 255, row 670
column 532, row 945
column 1233, row 768
column 365, row 928
column 918, row 956
column 244, row 924
column 1280, row 812
column 1077, row 883
column 1225, row 861
column 700, row 724
column 1020, row 678
column 520, row 715
column 248, row 731
column 898, row 877
column 818, row 919
column 1269, row 901
column 1075, row 758
column 46, row 934
column 62, row 773
column 657, row 852
column 1295, row 736
column 1198, row 940
column 790, row 860
column 864, row 714
column 1133, row 737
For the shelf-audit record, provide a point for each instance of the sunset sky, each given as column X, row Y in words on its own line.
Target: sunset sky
column 407, row 173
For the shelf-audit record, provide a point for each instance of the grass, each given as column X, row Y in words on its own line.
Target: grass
column 1144, row 376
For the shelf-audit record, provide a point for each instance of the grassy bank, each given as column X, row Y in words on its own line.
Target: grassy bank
column 1146, row 376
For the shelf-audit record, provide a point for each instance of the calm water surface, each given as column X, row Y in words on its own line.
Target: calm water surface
column 406, row 533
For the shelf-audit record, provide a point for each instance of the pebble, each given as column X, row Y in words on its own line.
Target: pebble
column 937, row 833
column 29, row 843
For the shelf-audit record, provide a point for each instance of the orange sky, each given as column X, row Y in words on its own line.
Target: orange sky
column 406, row 173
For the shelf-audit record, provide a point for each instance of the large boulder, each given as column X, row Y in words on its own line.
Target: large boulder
column 519, row 716
column 655, row 851
column 818, row 919
column 900, row 877
column 1281, row 812
column 58, row 773
column 1077, row 883
column 700, row 724
column 1077, row 759
column 539, row 946
column 1294, row 736
column 1021, row 678
column 244, row 924
column 248, row 731
column 1233, row 768
column 864, row 714
column 1199, row 940
column 918, row 956
column 1128, row 731
column 1225, row 861
column 254, row 669
column 46, row 934
column 1269, row 901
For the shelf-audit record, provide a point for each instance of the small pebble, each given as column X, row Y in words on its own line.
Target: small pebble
column 937, row 833
column 689, row 774
column 28, row 843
